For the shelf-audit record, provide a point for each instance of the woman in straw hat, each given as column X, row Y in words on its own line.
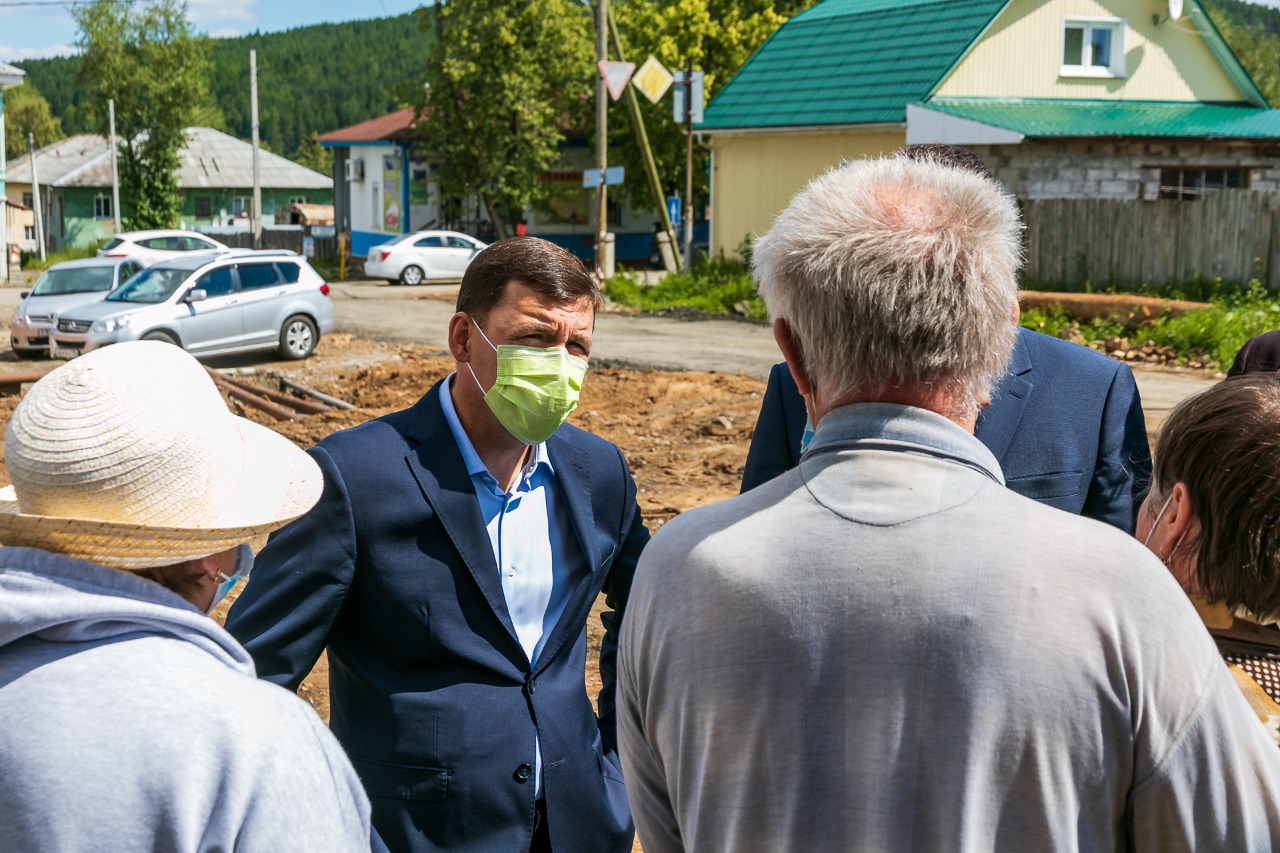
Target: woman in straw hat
column 129, row 720
column 1213, row 517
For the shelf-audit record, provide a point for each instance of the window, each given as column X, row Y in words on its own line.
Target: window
column 1093, row 47
column 257, row 275
column 297, row 199
column 101, row 206
column 28, row 200
column 215, row 282
column 240, row 206
column 204, row 207
column 28, row 232
column 161, row 243
column 1194, row 183
column 195, row 244
column 128, row 270
column 459, row 243
column 430, row 243
column 289, row 273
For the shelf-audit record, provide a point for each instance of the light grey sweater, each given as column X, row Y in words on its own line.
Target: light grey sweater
column 130, row 721
column 885, row 649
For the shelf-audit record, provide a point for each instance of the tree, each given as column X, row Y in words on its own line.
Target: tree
column 717, row 37
column 148, row 59
column 315, row 157
column 27, row 112
column 503, row 81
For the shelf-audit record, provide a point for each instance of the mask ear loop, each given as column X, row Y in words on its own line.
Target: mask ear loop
column 471, row 369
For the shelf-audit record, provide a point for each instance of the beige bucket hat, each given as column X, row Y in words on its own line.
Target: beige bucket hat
column 128, row 457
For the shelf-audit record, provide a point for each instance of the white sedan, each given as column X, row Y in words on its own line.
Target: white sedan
column 422, row 255
column 152, row 246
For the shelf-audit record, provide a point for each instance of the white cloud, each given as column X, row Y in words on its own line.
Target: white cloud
column 209, row 11
column 17, row 54
column 226, row 33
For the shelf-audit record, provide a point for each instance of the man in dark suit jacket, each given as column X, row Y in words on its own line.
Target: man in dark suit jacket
column 450, row 568
column 1065, row 423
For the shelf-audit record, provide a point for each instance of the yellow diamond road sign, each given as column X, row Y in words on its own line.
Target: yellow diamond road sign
column 652, row 79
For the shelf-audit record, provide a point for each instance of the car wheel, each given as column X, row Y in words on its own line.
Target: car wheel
column 162, row 337
column 412, row 274
column 298, row 338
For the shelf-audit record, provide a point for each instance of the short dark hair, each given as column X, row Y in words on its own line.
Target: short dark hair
column 539, row 264
column 1224, row 446
column 947, row 155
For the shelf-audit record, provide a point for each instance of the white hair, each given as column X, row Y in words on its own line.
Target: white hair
column 896, row 274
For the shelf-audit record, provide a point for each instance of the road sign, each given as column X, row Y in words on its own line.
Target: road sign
column 616, row 75
column 652, row 79
column 678, row 97
column 673, row 209
column 612, row 175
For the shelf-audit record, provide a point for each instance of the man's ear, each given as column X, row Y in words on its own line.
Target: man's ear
column 460, row 337
column 783, row 334
column 1180, row 518
column 1017, row 310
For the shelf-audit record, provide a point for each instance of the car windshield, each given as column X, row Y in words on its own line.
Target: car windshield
column 399, row 239
column 83, row 280
column 154, row 285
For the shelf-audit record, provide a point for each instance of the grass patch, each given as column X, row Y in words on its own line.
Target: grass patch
column 31, row 260
column 1212, row 335
column 714, row 286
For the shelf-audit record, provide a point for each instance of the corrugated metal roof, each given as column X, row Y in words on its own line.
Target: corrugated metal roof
column 9, row 74
column 211, row 159
column 54, row 162
column 1043, row 118
column 847, row 62
column 393, row 127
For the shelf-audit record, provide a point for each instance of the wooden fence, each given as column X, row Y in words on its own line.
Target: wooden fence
column 1231, row 235
column 290, row 238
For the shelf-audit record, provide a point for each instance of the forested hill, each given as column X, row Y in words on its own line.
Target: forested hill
column 310, row 79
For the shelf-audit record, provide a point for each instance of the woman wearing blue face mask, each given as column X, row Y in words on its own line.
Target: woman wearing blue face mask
column 1213, row 517
column 134, row 493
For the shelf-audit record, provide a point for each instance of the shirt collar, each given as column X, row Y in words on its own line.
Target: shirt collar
column 475, row 467
column 889, row 426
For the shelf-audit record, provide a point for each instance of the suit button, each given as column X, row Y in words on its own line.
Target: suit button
column 523, row 772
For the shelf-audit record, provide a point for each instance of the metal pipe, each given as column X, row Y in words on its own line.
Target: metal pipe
column 324, row 398
column 305, row 407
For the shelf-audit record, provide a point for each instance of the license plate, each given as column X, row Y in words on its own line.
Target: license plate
column 65, row 352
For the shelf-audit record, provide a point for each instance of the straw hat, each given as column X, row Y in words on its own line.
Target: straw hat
column 128, row 457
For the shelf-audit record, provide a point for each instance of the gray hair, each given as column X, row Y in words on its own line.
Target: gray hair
column 896, row 274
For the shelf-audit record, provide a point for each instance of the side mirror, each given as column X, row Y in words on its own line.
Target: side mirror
column 196, row 294
column 24, row 294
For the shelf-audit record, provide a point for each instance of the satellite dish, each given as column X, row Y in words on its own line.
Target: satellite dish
column 1175, row 9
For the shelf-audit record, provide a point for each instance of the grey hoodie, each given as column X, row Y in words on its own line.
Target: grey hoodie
column 130, row 721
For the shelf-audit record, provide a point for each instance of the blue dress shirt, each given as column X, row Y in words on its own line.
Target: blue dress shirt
column 538, row 557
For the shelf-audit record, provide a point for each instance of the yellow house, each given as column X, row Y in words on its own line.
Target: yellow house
column 1121, row 99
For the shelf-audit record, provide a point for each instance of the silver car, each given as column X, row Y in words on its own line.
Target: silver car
column 238, row 302
column 62, row 287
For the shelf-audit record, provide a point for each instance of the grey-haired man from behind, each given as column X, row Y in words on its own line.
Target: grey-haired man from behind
column 884, row 648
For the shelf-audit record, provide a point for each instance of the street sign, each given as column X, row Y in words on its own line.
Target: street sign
column 678, row 97
column 612, row 175
column 323, row 231
column 616, row 75
column 652, row 79
column 673, row 209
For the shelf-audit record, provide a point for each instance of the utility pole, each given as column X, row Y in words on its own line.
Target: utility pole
column 602, row 132
column 115, row 169
column 688, row 178
column 257, row 185
column 35, row 194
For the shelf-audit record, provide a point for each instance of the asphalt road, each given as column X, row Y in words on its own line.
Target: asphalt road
column 420, row 315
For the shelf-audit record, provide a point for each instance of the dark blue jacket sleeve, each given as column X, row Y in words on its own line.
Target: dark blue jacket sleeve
column 298, row 584
column 617, row 589
column 775, row 446
column 1123, row 469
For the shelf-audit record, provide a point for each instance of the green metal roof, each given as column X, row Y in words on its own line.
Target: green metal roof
column 847, row 62
column 1037, row 118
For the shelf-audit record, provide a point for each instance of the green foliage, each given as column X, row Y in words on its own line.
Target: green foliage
column 315, row 156
column 713, row 286
column 310, row 80
column 31, row 260
column 27, row 112
column 148, row 59
column 1253, row 33
column 502, row 81
column 717, row 37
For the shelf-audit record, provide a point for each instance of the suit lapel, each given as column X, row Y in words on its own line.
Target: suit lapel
column 999, row 421
column 442, row 475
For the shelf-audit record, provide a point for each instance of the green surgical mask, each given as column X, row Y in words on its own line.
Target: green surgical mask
column 535, row 389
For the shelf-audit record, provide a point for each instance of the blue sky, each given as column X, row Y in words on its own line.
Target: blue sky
column 31, row 29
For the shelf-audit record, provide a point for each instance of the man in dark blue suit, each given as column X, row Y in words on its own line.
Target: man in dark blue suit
column 450, row 568
column 1065, row 423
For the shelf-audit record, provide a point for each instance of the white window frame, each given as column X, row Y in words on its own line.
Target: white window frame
column 102, row 202
column 297, row 199
column 1118, row 28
